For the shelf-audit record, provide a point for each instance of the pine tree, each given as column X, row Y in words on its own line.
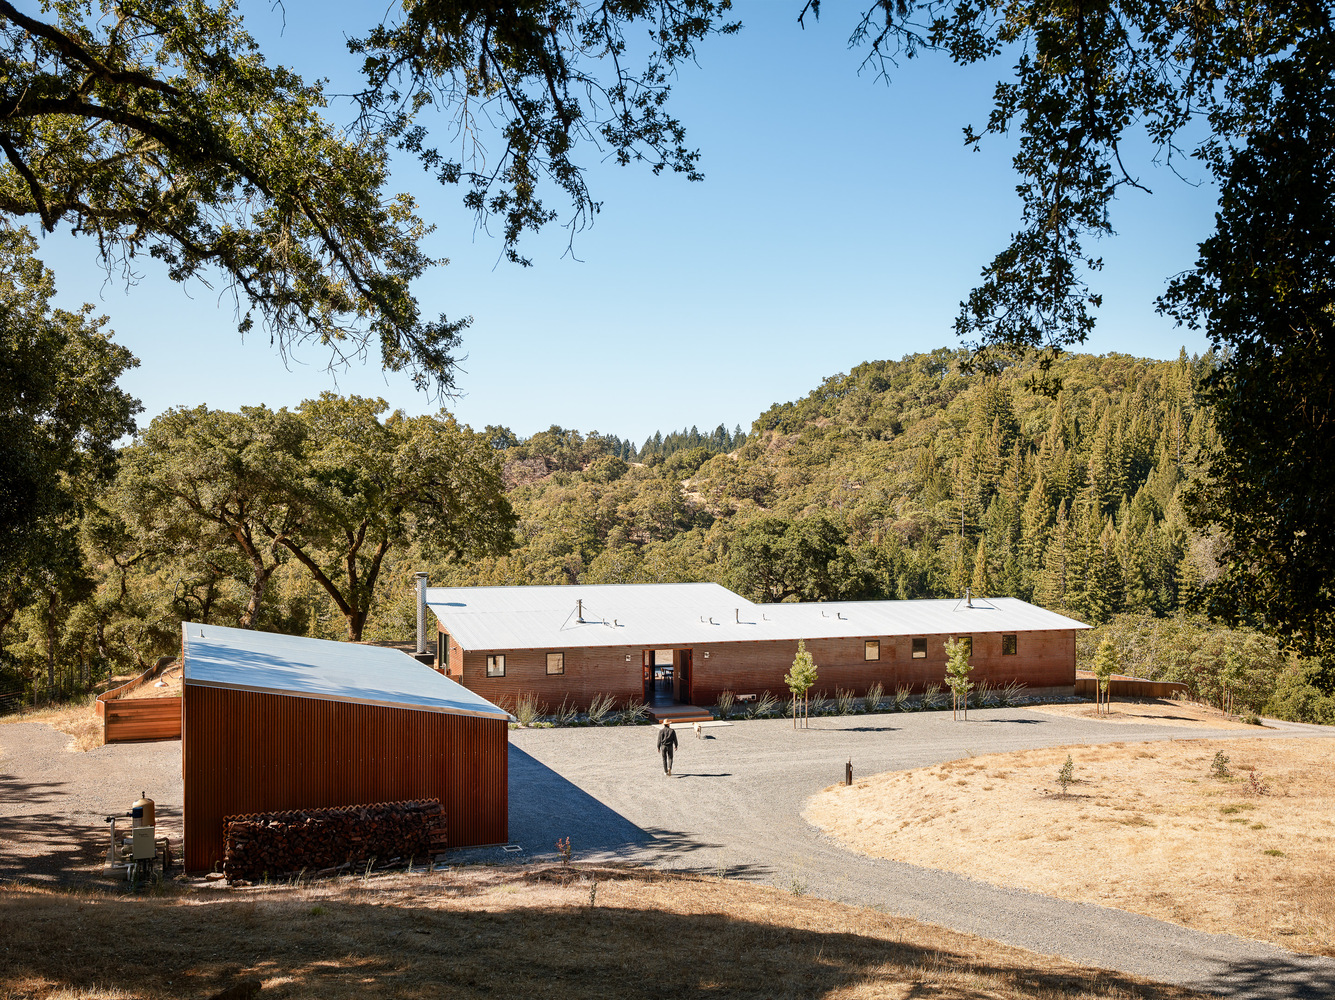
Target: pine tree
column 981, row 584
column 959, row 570
column 1053, row 589
column 1034, row 523
column 1103, row 593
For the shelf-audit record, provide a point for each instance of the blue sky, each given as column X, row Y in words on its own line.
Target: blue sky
column 841, row 220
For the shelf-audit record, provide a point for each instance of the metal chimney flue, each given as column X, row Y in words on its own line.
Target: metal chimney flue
column 579, row 610
column 420, row 579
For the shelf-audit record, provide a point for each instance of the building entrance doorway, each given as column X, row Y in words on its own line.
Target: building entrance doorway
column 666, row 676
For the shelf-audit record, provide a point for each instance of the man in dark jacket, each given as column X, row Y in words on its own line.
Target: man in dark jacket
column 667, row 742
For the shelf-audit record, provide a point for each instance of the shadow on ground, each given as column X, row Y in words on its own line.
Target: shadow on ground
column 546, row 807
column 60, row 847
column 349, row 944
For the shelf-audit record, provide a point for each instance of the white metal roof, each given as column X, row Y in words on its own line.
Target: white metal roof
column 244, row 660
column 693, row 614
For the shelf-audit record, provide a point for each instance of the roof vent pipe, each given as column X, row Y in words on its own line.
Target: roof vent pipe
column 968, row 598
column 738, row 613
column 420, row 578
column 579, row 610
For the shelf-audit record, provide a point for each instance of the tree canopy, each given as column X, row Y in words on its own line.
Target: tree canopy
column 332, row 488
column 61, row 414
column 1264, row 290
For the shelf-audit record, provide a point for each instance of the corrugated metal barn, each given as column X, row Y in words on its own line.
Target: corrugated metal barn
column 688, row 642
column 275, row 722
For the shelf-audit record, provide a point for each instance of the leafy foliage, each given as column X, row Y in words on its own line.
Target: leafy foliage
column 800, row 680
column 1105, row 665
column 60, row 416
column 1264, row 290
column 958, row 669
column 157, row 127
column 332, row 487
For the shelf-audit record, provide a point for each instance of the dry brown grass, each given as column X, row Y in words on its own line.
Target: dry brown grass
column 171, row 686
column 1151, row 712
column 1144, row 828
column 507, row 931
column 78, row 719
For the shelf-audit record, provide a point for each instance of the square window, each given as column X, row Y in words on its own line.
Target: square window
column 496, row 665
column 920, row 648
column 871, row 649
column 1008, row 645
column 556, row 663
column 967, row 642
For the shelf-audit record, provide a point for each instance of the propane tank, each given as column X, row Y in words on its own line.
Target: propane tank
column 142, row 812
column 143, row 839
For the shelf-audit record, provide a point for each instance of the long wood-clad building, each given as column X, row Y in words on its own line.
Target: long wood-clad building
column 574, row 643
column 275, row 722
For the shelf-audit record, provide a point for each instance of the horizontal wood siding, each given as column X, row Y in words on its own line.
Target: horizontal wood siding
column 244, row 752
column 1042, row 660
column 1121, row 686
column 141, row 719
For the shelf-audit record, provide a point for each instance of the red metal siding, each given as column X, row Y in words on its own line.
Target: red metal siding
column 244, row 752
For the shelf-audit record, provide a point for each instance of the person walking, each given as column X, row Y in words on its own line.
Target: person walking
column 667, row 742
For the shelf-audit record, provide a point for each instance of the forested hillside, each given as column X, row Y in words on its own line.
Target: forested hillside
column 900, row 479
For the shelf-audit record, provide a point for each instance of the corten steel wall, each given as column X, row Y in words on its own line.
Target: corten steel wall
column 244, row 752
column 589, row 671
column 1043, row 660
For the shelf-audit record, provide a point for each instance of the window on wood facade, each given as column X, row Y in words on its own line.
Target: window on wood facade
column 556, row 663
column 1008, row 645
column 496, row 665
column 920, row 648
column 967, row 642
column 871, row 649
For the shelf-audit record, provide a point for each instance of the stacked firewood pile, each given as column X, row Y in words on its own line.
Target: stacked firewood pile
column 317, row 840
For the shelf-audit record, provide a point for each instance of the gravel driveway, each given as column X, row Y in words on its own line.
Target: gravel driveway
column 53, row 803
column 733, row 806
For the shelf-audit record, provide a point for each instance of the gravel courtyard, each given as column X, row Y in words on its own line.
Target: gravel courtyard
column 733, row 806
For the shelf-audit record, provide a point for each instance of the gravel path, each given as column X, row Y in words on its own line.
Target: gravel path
column 53, row 803
column 733, row 806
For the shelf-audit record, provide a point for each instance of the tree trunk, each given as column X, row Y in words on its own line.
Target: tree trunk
column 51, row 644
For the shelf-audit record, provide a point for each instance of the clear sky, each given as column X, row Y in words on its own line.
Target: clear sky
column 841, row 220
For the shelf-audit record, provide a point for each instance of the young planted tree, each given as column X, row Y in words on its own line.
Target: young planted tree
column 1105, row 665
column 800, row 680
column 958, row 669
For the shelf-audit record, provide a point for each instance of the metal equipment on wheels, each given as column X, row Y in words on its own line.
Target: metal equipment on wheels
column 137, row 852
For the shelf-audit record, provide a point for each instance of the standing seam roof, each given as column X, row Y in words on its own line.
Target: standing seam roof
column 269, row 663
column 657, row 615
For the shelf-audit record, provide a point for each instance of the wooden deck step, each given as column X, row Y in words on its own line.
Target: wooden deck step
column 680, row 714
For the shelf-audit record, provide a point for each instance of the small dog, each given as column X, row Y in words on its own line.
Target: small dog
column 697, row 730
